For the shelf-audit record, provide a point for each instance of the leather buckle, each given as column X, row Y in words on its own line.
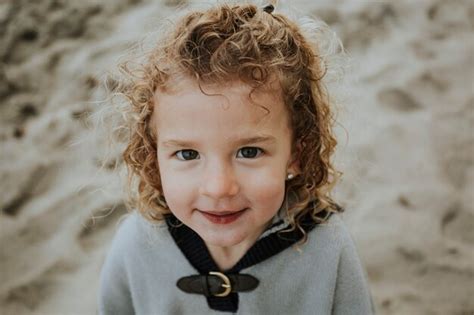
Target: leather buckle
column 226, row 285
column 217, row 284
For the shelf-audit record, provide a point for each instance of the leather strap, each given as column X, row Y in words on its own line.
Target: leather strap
column 217, row 284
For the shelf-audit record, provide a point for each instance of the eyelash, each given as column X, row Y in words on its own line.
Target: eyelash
column 259, row 153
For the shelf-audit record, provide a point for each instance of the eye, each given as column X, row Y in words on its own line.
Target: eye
column 186, row 155
column 249, row 152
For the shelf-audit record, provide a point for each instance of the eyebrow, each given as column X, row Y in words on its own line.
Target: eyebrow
column 245, row 141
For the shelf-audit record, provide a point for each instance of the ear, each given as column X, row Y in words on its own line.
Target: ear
column 294, row 166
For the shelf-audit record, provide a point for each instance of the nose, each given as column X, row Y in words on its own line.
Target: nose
column 219, row 182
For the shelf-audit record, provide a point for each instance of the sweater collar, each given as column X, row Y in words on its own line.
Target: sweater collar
column 270, row 243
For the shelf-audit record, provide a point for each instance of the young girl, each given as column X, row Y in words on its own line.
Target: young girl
column 231, row 148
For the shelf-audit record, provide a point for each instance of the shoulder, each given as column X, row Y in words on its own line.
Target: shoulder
column 351, row 293
column 335, row 237
column 334, row 228
column 134, row 233
column 127, row 229
column 333, row 234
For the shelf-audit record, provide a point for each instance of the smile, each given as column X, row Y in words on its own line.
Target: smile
column 224, row 217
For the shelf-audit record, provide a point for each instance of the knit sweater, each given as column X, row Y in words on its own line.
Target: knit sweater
column 322, row 276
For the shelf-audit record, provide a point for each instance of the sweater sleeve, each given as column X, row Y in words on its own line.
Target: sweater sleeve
column 352, row 295
column 114, row 292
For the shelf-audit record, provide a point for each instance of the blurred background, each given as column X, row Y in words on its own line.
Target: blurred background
column 406, row 137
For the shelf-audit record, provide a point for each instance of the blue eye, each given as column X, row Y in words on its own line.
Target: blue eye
column 249, row 152
column 187, row 155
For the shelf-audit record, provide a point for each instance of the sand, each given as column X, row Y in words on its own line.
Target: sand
column 406, row 148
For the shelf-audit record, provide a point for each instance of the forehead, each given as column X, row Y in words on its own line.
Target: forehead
column 228, row 109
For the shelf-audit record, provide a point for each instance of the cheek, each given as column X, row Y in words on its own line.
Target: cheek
column 171, row 187
column 267, row 190
column 176, row 186
column 179, row 195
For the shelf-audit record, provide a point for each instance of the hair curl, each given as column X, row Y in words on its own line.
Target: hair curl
column 238, row 42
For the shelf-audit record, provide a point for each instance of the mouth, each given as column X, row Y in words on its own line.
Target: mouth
column 223, row 217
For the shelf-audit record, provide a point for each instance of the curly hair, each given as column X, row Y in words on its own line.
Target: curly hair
column 246, row 43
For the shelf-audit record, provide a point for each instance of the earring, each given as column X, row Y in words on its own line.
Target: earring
column 290, row 176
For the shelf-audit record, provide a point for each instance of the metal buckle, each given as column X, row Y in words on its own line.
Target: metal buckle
column 226, row 285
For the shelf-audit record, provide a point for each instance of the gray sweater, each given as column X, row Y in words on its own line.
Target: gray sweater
column 324, row 277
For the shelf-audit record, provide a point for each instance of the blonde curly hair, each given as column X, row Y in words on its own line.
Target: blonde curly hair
column 238, row 42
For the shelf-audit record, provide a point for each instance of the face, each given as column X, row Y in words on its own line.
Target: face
column 223, row 158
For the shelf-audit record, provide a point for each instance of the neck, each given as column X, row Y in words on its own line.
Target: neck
column 226, row 257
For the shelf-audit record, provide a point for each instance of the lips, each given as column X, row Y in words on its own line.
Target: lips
column 223, row 217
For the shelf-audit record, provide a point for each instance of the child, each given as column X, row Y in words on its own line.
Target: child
column 231, row 148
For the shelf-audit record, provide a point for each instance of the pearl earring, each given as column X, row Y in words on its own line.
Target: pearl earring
column 289, row 176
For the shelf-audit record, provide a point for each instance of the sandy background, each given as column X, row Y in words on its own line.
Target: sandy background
column 406, row 150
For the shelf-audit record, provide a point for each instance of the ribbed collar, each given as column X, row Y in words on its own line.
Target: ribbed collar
column 269, row 244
